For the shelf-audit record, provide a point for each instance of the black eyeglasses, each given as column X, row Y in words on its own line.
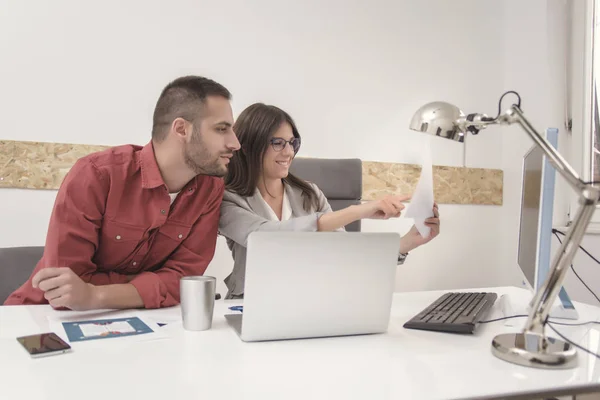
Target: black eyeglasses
column 279, row 144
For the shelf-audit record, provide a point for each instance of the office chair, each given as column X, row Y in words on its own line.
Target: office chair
column 16, row 265
column 339, row 179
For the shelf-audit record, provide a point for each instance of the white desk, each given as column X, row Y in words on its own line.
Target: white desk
column 215, row 364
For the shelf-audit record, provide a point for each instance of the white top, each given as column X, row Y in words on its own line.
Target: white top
column 286, row 210
column 173, row 196
column 399, row 364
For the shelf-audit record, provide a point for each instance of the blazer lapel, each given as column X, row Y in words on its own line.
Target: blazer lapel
column 258, row 205
column 296, row 201
column 294, row 195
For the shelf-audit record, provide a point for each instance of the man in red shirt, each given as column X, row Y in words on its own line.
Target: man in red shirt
column 130, row 221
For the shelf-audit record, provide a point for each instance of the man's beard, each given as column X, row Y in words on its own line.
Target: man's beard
column 198, row 158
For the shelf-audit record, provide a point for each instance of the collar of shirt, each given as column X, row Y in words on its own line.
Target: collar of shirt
column 151, row 176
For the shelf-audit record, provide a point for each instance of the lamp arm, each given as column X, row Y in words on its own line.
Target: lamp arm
column 546, row 295
column 515, row 115
column 562, row 166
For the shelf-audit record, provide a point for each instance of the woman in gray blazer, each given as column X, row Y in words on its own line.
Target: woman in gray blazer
column 261, row 194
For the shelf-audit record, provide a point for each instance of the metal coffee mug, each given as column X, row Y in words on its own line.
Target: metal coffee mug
column 197, row 301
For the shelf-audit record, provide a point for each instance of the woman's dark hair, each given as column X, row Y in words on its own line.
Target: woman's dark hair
column 254, row 128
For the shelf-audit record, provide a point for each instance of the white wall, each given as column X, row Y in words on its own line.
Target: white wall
column 350, row 74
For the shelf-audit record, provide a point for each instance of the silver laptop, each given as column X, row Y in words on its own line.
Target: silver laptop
column 317, row 284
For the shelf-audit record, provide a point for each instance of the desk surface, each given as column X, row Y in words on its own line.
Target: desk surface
column 400, row 364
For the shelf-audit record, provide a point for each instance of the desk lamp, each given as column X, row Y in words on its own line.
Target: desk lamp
column 531, row 347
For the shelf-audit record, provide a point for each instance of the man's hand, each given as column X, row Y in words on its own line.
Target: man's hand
column 388, row 207
column 63, row 288
column 413, row 238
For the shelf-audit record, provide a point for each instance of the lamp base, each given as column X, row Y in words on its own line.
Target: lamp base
column 533, row 350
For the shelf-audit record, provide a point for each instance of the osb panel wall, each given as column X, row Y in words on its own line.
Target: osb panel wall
column 451, row 185
column 37, row 165
column 41, row 165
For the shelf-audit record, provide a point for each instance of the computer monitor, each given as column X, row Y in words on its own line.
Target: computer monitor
column 535, row 228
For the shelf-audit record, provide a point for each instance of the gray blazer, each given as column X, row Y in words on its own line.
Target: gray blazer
column 241, row 216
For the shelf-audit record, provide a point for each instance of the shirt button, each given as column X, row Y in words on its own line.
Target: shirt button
column 180, row 236
column 162, row 211
column 190, row 189
column 118, row 237
column 134, row 263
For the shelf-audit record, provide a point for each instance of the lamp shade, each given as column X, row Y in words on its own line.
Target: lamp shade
column 439, row 119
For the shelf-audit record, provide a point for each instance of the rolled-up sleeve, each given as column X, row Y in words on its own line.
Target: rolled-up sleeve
column 160, row 288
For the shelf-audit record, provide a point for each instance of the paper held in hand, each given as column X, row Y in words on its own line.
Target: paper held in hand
column 421, row 204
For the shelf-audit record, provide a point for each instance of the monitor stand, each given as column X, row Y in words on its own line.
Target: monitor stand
column 563, row 308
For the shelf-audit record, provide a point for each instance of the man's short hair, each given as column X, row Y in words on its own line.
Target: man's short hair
column 183, row 98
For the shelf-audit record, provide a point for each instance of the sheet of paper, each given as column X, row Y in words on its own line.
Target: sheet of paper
column 112, row 328
column 421, row 204
column 119, row 327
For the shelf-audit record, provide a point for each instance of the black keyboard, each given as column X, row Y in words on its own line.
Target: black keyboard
column 457, row 312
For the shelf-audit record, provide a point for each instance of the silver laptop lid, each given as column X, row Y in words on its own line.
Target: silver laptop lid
column 314, row 284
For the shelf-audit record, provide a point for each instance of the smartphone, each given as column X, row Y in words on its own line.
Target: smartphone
column 44, row 344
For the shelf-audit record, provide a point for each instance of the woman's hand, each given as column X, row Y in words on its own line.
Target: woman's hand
column 386, row 208
column 413, row 238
